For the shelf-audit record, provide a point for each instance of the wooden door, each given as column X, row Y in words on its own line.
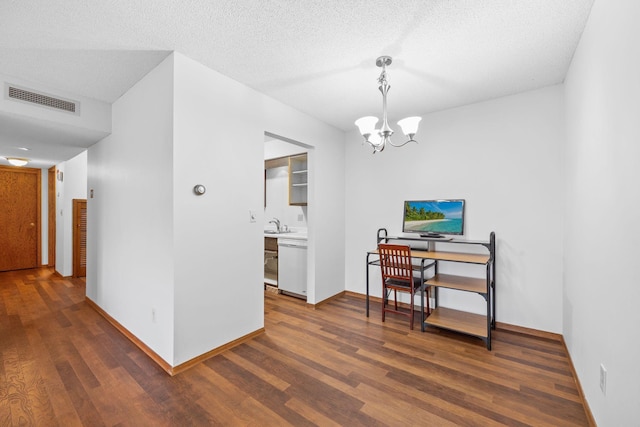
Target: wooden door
column 79, row 237
column 52, row 216
column 19, row 218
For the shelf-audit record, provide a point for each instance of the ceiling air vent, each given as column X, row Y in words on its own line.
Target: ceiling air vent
column 41, row 99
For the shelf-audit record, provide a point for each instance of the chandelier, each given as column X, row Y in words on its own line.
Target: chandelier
column 379, row 138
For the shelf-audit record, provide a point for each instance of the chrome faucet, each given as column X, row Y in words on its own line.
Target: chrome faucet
column 276, row 221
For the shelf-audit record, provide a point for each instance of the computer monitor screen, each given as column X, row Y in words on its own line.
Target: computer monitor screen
column 432, row 218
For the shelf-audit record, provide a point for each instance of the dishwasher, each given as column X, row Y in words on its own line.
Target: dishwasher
column 292, row 267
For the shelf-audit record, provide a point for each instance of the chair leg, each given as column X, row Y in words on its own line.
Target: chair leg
column 384, row 302
column 422, row 316
column 411, row 311
column 395, row 299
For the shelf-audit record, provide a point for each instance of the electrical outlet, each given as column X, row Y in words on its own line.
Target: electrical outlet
column 252, row 216
column 153, row 315
column 300, row 218
column 603, row 379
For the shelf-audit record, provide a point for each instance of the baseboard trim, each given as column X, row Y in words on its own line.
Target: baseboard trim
column 199, row 359
column 171, row 370
column 55, row 273
column 124, row 331
column 587, row 409
column 357, row 295
column 499, row 325
column 324, row 301
column 528, row 331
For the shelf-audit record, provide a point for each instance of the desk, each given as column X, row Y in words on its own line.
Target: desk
column 447, row 318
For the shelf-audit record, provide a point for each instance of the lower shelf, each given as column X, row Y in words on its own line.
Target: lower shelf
column 460, row 321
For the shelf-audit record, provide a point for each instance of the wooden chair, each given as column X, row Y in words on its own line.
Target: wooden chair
column 398, row 276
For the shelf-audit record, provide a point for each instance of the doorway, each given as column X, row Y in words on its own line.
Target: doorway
column 287, row 176
column 20, row 246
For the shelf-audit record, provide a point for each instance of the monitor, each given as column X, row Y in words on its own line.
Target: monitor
column 433, row 218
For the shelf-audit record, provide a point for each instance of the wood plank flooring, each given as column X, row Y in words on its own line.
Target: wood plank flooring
column 62, row 364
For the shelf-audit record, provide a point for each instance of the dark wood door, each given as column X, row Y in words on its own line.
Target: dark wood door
column 19, row 218
column 79, row 237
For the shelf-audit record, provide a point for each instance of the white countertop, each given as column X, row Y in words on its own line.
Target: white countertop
column 298, row 235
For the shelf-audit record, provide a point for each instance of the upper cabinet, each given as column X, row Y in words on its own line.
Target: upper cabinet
column 298, row 180
column 271, row 164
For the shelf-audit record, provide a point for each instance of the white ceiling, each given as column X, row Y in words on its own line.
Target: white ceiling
column 316, row 55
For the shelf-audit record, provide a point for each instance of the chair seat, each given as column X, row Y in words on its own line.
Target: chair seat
column 396, row 283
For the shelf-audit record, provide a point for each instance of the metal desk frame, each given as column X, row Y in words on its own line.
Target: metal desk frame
column 426, row 262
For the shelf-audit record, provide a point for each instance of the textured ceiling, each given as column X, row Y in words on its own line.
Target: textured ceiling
column 317, row 56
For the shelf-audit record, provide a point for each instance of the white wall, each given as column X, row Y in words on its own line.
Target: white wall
column 219, row 142
column 73, row 186
column 601, row 292
column 197, row 260
column 218, row 254
column 274, row 148
column 59, row 264
column 504, row 158
column 130, row 254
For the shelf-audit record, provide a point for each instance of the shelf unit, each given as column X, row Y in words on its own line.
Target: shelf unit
column 478, row 325
column 298, row 180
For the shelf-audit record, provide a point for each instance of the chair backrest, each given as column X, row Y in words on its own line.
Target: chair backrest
column 395, row 262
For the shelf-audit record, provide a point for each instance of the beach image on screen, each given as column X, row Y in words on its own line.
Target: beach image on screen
column 435, row 216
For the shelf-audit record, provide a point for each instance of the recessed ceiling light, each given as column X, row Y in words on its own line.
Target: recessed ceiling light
column 23, row 148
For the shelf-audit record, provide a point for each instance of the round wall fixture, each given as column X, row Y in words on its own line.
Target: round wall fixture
column 199, row 189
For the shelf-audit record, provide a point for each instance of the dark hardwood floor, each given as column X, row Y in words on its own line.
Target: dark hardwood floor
column 62, row 364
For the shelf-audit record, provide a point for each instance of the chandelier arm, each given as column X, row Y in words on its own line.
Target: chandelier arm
column 376, row 147
column 402, row 144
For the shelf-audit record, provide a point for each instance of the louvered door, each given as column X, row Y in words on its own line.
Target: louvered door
column 79, row 237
